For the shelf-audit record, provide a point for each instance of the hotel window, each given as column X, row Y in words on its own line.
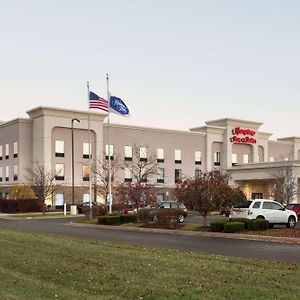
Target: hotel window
column 6, row 151
column 160, row 155
column 160, row 175
column 15, row 172
column 6, row 173
column 177, row 156
column 197, row 173
column 197, row 157
column 178, row 175
column 1, row 152
column 85, row 173
column 271, row 158
column 59, row 199
column 234, row 159
column 109, row 151
column 1, row 174
column 59, row 148
column 15, row 149
column 128, row 153
column 86, row 150
column 245, row 158
column 127, row 175
column 59, row 172
column 143, row 154
column 217, row 158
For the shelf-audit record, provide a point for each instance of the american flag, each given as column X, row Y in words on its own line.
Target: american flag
column 98, row 102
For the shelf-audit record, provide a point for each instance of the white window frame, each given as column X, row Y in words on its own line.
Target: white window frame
column 86, row 149
column 246, row 158
column 198, row 157
column 16, row 148
column 143, row 152
column 6, row 150
column 127, row 175
column 128, row 152
column 59, row 148
column 6, row 173
column 160, row 175
column 271, row 158
column 60, row 170
column 109, row 150
column 234, row 159
column 160, row 155
column 177, row 155
column 16, row 171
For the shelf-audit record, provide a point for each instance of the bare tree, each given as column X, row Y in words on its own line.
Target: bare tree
column 140, row 191
column 286, row 183
column 101, row 171
column 43, row 183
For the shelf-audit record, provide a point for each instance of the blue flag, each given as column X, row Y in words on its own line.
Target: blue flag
column 117, row 106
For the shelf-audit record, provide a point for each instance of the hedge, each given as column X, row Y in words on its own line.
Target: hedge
column 258, row 224
column 231, row 227
column 218, row 226
column 116, row 219
column 21, row 205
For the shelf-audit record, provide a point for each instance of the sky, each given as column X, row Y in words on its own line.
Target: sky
column 176, row 64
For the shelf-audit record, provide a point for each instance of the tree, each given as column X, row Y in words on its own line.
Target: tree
column 209, row 191
column 286, row 184
column 44, row 184
column 21, row 192
column 101, row 171
column 140, row 191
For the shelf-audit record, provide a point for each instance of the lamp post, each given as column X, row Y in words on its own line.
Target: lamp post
column 72, row 127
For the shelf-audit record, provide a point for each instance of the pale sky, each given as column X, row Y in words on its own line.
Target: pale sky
column 176, row 64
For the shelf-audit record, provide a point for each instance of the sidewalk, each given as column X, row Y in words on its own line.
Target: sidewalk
column 239, row 236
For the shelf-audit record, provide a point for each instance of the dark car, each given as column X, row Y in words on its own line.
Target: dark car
column 80, row 207
column 177, row 205
column 295, row 207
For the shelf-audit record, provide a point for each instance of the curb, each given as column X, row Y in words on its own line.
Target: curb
column 273, row 239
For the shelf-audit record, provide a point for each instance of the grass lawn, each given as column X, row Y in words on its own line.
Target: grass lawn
column 36, row 266
column 39, row 215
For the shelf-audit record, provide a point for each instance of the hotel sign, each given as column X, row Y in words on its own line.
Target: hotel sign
column 244, row 136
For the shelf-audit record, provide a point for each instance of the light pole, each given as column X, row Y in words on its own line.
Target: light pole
column 72, row 127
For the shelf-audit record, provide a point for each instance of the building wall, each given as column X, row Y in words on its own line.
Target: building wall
column 281, row 150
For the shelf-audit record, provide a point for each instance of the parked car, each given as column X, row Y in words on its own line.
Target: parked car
column 269, row 210
column 177, row 205
column 225, row 211
column 295, row 207
column 83, row 205
column 240, row 210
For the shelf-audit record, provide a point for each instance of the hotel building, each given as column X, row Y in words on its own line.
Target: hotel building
column 237, row 146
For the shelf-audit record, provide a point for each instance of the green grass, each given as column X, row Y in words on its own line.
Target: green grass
column 39, row 215
column 36, row 266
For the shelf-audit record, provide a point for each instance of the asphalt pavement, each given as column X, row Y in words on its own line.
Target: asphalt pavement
column 170, row 240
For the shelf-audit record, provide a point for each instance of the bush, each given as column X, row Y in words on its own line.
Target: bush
column 145, row 215
column 97, row 210
column 128, row 218
column 109, row 220
column 21, row 205
column 218, row 226
column 242, row 220
column 258, row 224
column 230, row 227
column 167, row 216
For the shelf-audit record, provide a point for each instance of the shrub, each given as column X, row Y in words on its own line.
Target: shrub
column 230, row 227
column 242, row 220
column 167, row 216
column 145, row 215
column 97, row 210
column 218, row 226
column 109, row 220
column 258, row 224
column 128, row 218
column 21, row 205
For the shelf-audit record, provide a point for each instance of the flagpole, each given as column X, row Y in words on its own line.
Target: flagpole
column 90, row 161
column 108, row 139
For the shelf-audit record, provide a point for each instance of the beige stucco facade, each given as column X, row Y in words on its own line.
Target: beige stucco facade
column 226, row 144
